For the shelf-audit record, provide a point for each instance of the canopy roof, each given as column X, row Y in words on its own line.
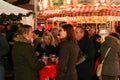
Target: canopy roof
column 9, row 8
column 83, row 10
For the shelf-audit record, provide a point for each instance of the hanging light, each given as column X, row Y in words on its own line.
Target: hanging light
column 40, row 5
column 97, row 4
column 68, row 1
column 102, row 1
column 45, row 4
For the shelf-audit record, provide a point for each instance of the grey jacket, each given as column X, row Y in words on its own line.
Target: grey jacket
column 110, row 65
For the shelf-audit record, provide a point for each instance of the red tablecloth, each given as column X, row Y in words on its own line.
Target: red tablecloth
column 48, row 71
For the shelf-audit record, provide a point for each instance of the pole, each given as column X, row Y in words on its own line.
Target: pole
column 35, row 10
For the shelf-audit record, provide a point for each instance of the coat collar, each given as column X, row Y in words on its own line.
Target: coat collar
column 114, row 38
column 21, row 38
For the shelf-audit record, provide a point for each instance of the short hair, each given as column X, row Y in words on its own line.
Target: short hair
column 38, row 32
column 24, row 29
column 96, row 36
column 84, row 30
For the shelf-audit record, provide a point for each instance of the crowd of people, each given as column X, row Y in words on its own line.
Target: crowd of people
column 24, row 51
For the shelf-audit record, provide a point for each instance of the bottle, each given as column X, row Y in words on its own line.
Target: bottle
column 45, row 58
column 53, row 57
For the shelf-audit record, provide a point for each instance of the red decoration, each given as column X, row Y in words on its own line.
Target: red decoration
column 83, row 11
column 48, row 71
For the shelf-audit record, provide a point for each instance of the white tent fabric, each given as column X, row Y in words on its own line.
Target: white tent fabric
column 9, row 8
column 28, row 20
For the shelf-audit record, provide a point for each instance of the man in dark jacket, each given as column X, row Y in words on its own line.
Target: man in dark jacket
column 4, row 48
column 85, row 69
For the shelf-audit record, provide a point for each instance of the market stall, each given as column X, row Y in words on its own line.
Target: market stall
column 82, row 10
column 101, row 14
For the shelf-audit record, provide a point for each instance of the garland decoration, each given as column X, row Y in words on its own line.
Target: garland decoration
column 12, row 18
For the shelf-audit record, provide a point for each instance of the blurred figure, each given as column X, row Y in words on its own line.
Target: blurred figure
column 91, row 31
column 110, row 69
column 26, row 64
column 85, row 69
column 4, row 48
column 3, row 32
column 118, row 29
column 47, row 45
column 97, row 40
column 11, row 29
column 68, row 54
column 55, row 33
column 37, row 36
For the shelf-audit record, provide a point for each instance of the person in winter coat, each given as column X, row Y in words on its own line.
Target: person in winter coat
column 85, row 69
column 68, row 54
column 46, row 46
column 26, row 64
column 4, row 48
column 110, row 69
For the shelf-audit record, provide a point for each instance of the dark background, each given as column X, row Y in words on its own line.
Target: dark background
column 19, row 2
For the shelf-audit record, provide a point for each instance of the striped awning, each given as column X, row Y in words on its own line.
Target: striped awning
column 82, row 11
column 97, row 11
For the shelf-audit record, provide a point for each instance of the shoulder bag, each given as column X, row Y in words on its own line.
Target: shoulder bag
column 99, row 68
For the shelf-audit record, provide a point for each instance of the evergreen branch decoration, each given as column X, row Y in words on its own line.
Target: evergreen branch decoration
column 4, row 18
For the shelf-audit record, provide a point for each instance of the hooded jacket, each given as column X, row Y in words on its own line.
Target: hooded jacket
column 110, row 65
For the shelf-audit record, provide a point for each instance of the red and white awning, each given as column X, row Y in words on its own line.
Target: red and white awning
column 82, row 11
